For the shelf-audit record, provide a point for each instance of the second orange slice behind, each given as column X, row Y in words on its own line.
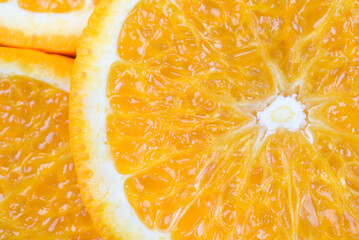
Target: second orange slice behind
column 39, row 196
column 216, row 120
column 49, row 25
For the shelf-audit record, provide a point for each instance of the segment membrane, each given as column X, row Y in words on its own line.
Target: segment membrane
column 165, row 38
column 335, row 68
column 154, row 117
column 342, row 114
column 286, row 29
column 339, row 156
column 164, row 194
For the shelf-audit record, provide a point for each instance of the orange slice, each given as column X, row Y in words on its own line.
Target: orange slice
column 219, row 119
column 39, row 196
column 50, row 25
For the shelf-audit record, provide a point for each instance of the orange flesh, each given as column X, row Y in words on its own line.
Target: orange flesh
column 53, row 6
column 184, row 100
column 39, row 196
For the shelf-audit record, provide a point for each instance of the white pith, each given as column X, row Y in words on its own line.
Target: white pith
column 107, row 184
column 40, row 23
column 283, row 112
column 36, row 73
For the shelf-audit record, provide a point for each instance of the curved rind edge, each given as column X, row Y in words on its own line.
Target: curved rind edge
column 49, row 68
column 98, row 178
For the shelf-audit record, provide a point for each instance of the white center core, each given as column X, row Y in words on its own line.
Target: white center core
column 283, row 112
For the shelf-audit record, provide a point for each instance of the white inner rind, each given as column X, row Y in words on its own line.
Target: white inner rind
column 107, row 184
column 37, row 73
column 283, row 112
column 39, row 23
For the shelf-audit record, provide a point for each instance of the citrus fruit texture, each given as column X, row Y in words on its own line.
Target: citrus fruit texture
column 49, row 25
column 219, row 119
column 39, row 196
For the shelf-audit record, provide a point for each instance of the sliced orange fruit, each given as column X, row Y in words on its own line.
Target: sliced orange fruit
column 48, row 25
column 39, row 196
column 219, row 119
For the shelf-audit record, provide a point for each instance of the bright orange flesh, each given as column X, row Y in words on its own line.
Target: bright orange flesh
column 54, row 6
column 39, row 197
column 184, row 100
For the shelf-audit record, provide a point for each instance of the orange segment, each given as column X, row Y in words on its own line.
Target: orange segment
column 286, row 31
column 180, row 48
column 335, row 68
column 39, row 196
column 155, row 123
column 161, row 194
column 340, row 113
column 219, row 119
column 339, row 152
